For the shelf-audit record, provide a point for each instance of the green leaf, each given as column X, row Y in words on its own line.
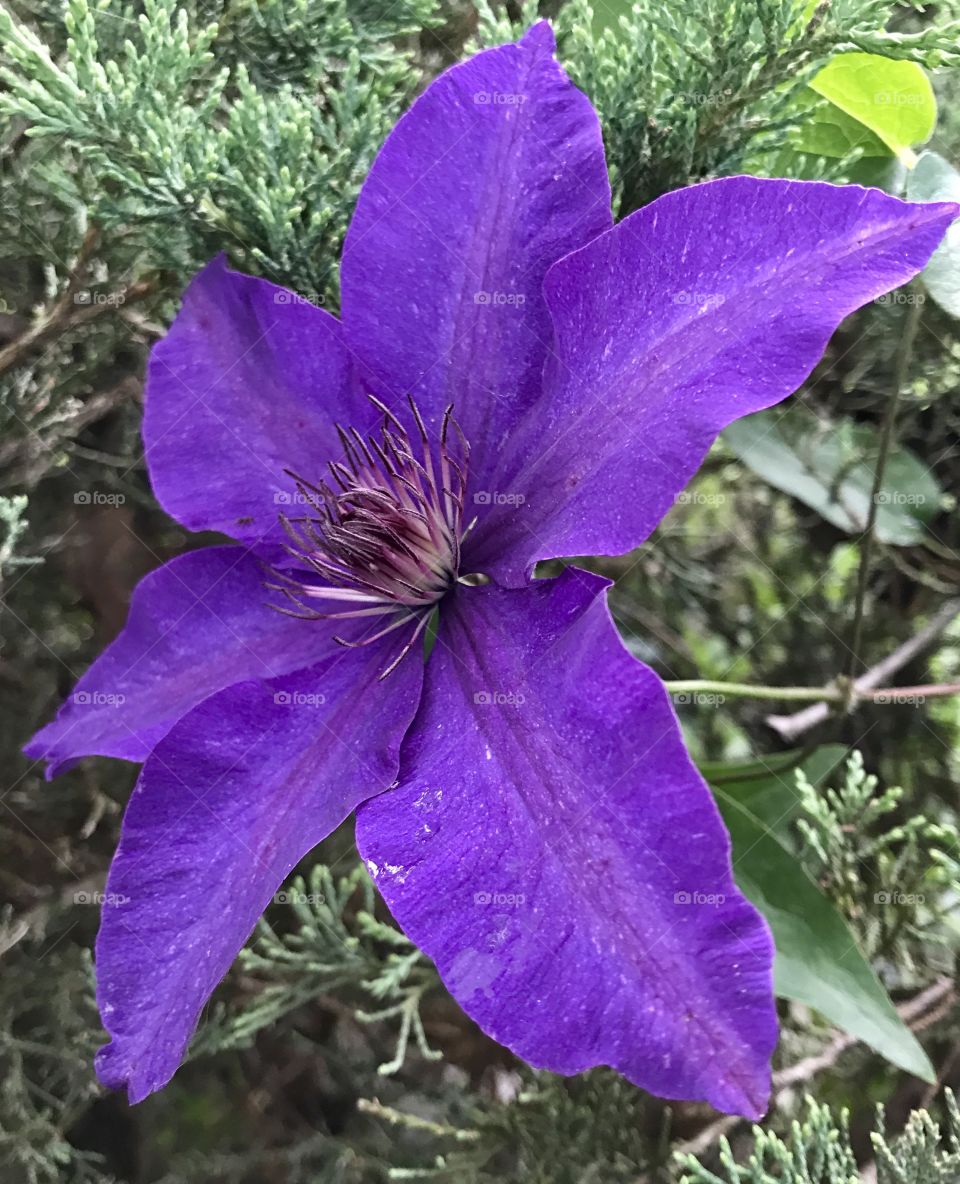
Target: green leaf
column 817, row 960
column 892, row 99
column 767, row 787
column 829, row 467
column 828, row 131
column 934, row 179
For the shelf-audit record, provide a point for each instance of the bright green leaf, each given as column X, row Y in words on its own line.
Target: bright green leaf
column 817, row 961
column 828, row 131
column 934, row 179
column 830, row 467
column 893, row 99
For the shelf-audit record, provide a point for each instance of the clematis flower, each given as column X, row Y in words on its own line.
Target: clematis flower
column 513, row 379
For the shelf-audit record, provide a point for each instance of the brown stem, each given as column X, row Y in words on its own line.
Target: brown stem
column 66, row 313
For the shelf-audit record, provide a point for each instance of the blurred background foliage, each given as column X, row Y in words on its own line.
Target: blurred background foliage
column 138, row 139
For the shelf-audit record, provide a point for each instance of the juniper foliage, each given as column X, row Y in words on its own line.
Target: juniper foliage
column 896, row 879
column 818, row 1151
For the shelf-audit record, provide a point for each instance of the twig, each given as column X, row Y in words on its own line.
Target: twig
column 413, row 1122
column 790, row 727
column 67, row 313
column 834, row 693
column 904, row 352
column 914, row 1013
column 24, row 460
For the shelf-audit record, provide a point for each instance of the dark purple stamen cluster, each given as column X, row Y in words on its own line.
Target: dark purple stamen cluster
column 384, row 531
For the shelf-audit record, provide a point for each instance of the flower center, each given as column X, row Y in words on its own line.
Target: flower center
column 382, row 533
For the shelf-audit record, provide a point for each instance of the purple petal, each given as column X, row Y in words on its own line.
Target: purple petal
column 495, row 172
column 708, row 304
column 196, row 625
column 248, row 382
column 229, row 802
column 555, row 851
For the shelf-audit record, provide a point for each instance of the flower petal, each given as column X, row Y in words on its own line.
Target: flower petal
column 554, row 850
column 229, row 802
column 196, row 625
column 248, row 382
column 495, row 172
column 708, row 304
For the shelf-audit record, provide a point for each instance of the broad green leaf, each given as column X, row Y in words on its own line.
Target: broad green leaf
column 934, row 179
column 830, row 466
column 828, row 131
column 894, row 100
column 817, row 960
column 767, row 787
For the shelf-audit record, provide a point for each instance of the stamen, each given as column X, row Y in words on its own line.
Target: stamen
column 385, row 534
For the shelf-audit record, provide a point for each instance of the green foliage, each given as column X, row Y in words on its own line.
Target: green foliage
column 331, row 941
column 935, row 179
column 255, row 138
column 893, row 100
column 818, row 1151
column 895, row 877
column 13, row 523
column 923, row 1154
column 542, row 1130
column 177, row 132
column 692, row 89
column 829, row 467
column 817, row 960
column 48, row 1033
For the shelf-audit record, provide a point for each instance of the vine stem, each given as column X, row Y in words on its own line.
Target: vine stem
column 839, row 692
column 904, row 354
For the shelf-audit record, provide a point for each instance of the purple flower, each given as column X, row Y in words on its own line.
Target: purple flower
column 513, row 379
